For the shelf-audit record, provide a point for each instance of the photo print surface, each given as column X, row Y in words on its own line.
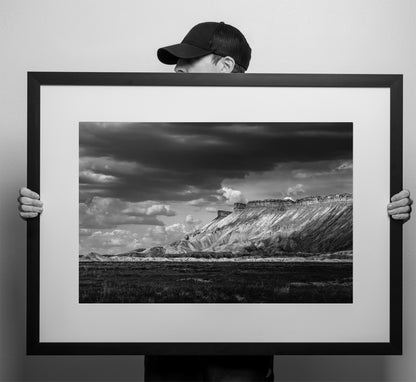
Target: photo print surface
column 215, row 212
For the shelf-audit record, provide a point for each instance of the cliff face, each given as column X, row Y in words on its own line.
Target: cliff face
column 321, row 224
column 222, row 214
column 284, row 204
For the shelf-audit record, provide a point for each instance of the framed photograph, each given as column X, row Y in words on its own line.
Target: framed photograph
column 214, row 214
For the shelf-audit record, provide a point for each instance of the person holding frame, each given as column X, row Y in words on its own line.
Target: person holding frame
column 209, row 47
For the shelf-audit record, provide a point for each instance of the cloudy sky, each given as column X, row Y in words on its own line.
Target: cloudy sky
column 148, row 184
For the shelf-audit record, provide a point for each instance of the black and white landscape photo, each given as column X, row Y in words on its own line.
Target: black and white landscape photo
column 215, row 212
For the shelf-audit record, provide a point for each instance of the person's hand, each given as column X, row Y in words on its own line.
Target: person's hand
column 400, row 206
column 29, row 204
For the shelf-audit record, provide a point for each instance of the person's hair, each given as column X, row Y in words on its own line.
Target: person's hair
column 237, row 68
column 229, row 41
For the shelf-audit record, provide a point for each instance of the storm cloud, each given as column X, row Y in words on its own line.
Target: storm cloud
column 188, row 161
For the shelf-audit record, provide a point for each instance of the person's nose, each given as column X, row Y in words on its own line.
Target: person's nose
column 180, row 67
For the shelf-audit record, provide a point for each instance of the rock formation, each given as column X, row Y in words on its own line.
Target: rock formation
column 319, row 224
column 317, row 227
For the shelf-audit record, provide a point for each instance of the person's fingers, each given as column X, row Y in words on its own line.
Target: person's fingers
column 25, row 208
column 27, row 215
column 400, row 210
column 398, row 203
column 404, row 217
column 400, row 195
column 24, row 191
column 30, row 201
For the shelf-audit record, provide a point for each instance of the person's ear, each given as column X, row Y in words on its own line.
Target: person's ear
column 228, row 64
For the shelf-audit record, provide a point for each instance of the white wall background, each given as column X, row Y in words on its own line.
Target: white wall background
column 287, row 36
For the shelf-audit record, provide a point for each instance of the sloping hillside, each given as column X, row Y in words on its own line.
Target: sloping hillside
column 310, row 225
column 93, row 256
column 314, row 228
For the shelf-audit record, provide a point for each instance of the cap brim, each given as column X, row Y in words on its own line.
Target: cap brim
column 170, row 54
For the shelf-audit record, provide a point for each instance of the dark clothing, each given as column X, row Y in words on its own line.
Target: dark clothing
column 208, row 368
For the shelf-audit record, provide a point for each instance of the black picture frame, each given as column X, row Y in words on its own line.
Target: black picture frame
column 38, row 79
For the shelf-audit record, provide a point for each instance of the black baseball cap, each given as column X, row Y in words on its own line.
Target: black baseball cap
column 206, row 38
